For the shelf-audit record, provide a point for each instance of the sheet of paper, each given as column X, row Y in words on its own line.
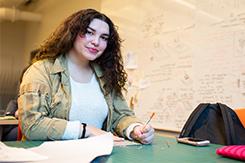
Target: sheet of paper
column 12, row 154
column 82, row 150
column 125, row 143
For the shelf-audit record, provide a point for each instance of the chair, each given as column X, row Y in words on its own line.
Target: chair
column 10, row 132
column 241, row 115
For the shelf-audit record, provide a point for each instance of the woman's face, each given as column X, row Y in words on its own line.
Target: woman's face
column 93, row 43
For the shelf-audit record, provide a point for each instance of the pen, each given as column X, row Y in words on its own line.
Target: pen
column 148, row 120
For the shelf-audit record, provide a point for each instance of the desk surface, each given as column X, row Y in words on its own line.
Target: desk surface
column 162, row 150
column 8, row 122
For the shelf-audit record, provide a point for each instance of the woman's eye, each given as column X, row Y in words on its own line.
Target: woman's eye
column 89, row 32
column 104, row 38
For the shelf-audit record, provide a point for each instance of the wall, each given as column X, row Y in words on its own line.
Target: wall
column 11, row 59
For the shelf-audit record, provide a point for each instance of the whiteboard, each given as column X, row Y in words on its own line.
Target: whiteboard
column 179, row 53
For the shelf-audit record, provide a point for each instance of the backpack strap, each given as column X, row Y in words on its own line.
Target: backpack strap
column 192, row 119
column 228, row 124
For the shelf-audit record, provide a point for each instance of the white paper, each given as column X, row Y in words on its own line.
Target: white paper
column 125, row 143
column 82, row 150
column 12, row 154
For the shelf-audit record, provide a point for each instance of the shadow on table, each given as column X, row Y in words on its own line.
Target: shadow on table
column 101, row 159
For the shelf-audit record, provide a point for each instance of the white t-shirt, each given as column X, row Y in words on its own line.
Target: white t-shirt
column 88, row 106
column 88, row 103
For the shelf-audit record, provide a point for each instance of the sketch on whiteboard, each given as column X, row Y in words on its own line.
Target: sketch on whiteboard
column 131, row 61
column 153, row 26
column 239, row 43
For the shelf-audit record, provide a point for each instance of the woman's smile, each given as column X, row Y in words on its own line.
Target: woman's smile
column 93, row 50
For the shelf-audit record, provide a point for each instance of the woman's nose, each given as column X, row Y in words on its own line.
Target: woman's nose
column 95, row 41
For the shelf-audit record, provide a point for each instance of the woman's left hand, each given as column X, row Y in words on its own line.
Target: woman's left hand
column 143, row 134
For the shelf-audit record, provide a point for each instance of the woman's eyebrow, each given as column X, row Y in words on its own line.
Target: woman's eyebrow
column 91, row 28
column 105, row 34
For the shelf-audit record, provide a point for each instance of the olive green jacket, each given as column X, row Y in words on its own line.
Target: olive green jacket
column 45, row 101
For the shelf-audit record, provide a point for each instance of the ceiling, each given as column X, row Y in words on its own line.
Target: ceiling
column 14, row 3
column 10, row 3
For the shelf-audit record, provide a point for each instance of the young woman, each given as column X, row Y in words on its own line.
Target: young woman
column 74, row 87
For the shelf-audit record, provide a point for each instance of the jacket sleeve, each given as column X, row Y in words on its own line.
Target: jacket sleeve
column 34, row 106
column 123, row 116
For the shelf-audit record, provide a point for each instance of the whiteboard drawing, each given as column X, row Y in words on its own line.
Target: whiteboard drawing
column 131, row 61
column 239, row 43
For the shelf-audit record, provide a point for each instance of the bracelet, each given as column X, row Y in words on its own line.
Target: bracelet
column 84, row 130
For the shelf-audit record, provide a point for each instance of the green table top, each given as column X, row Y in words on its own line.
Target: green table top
column 162, row 150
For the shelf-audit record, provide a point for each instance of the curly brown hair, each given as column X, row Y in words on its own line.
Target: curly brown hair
column 62, row 39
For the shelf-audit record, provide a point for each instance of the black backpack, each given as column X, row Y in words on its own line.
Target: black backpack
column 215, row 122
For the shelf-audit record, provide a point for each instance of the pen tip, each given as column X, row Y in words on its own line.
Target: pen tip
column 152, row 114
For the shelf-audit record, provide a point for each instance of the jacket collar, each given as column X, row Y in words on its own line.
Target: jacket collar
column 97, row 69
column 60, row 65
